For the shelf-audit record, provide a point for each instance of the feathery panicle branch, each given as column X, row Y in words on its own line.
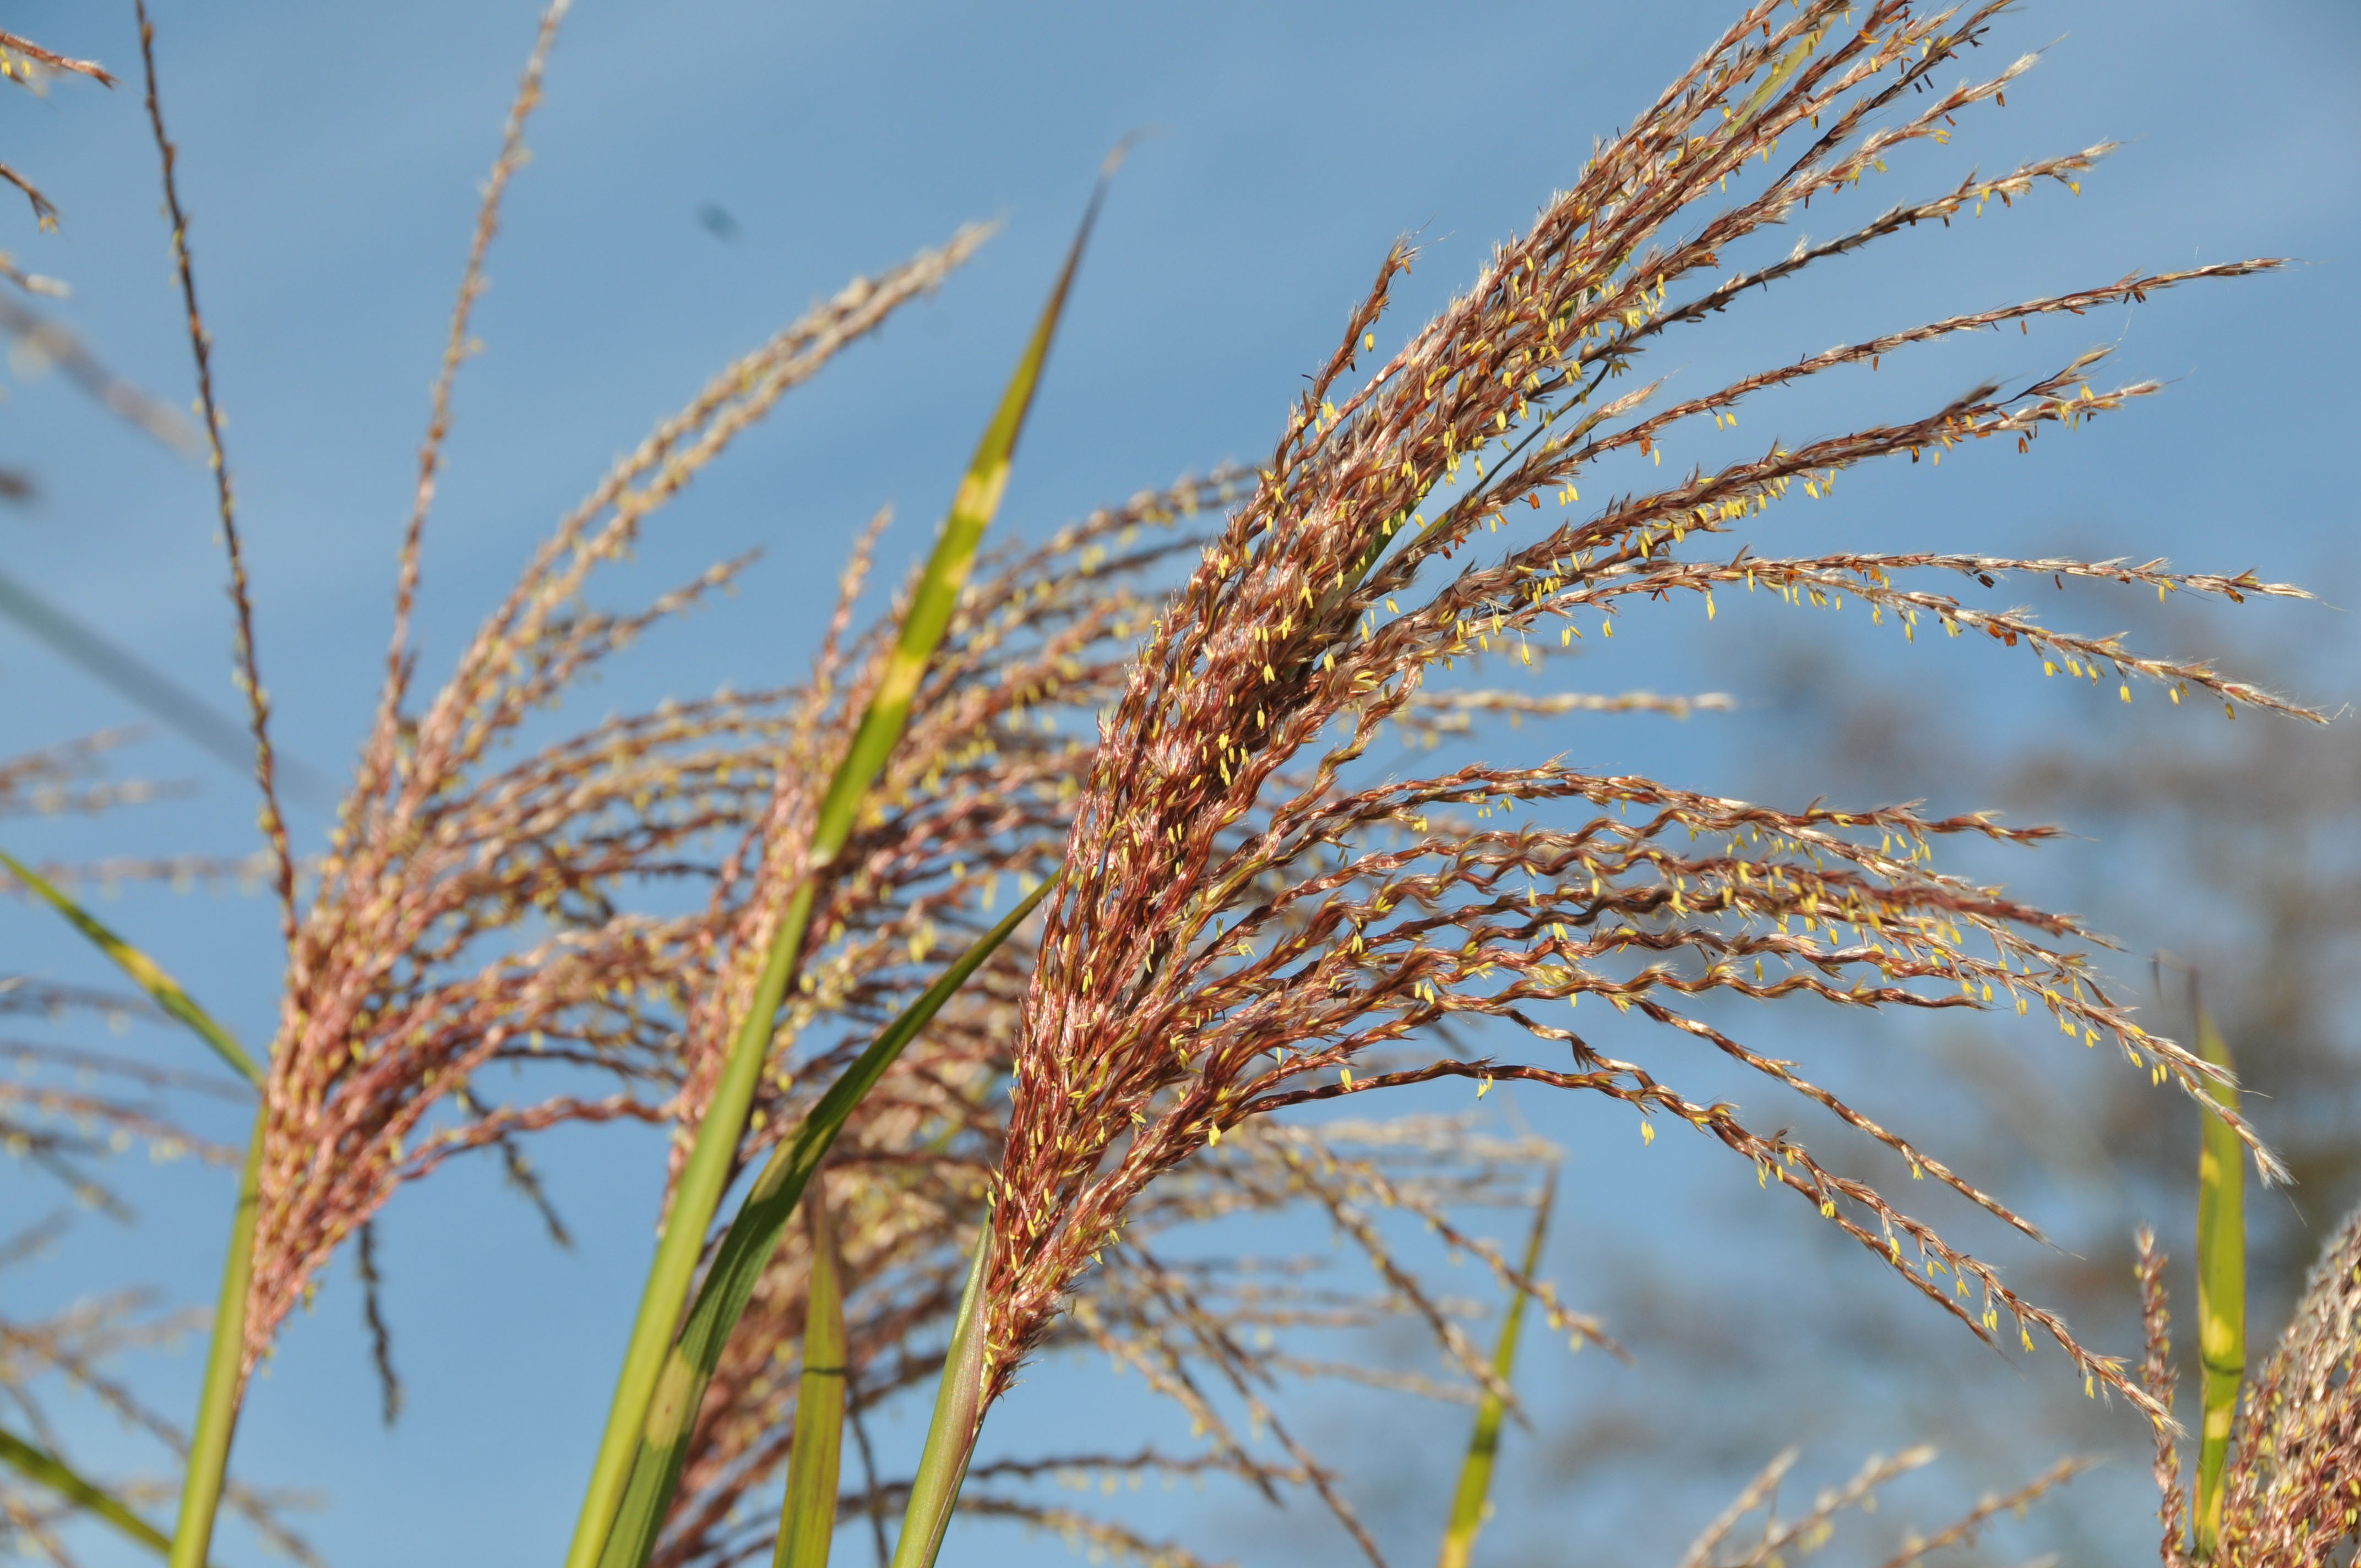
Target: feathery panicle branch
column 1807, row 1530
column 51, row 781
column 26, row 63
column 1964, row 1529
column 20, row 60
column 1762, row 1489
column 2157, row 1376
column 456, row 346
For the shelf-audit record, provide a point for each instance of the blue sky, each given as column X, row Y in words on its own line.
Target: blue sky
column 331, row 157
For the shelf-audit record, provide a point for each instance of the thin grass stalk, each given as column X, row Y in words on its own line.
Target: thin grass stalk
column 2221, row 1287
column 46, row 1469
column 808, row 1520
column 249, row 670
column 217, row 1401
column 145, row 972
column 1470, row 1503
column 723, row 1124
column 662, row 1447
column 951, row 1435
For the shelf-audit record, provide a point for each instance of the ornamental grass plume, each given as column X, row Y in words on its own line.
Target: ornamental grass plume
column 975, row 802
column 980, row 792
column 405, row 974
column 1249, row 911
column 412, row 976
column 406, row 979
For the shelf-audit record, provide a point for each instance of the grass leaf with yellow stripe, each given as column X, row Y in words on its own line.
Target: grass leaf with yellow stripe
column 145, row 972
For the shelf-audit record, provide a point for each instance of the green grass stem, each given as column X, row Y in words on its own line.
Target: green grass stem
column 808, row 1522
column 2220, row 1290
column 951, row 1435
column 217, row 1401
column 1470, row 1503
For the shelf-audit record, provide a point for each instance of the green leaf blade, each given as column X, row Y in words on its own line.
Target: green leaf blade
column 707, row 1171
column 46, row 1469
column 928, row 619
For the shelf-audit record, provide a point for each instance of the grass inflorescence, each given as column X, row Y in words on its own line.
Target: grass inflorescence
column 1170, row 708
